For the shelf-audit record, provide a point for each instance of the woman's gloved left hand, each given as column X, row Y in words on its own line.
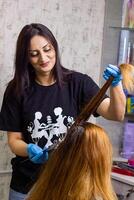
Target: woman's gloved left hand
column 37, row 154
column 114, row 71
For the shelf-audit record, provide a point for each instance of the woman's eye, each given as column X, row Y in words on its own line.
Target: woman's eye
column 34, row 53
column 47, row 49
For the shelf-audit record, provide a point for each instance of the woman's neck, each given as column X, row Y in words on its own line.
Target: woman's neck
column 45, row 80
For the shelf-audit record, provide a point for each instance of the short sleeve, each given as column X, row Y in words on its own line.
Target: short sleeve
column 10, row 115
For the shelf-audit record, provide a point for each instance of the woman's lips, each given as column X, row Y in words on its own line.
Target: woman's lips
column 44, row 64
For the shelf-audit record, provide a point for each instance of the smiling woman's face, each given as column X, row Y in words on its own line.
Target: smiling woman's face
column 42, row 55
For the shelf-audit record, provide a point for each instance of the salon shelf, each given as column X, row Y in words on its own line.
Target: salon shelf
column 122, row 28
column 123, row 178
column 123, row 186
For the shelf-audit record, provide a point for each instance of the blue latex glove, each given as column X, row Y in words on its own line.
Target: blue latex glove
column 114, row 71
column 37, row 154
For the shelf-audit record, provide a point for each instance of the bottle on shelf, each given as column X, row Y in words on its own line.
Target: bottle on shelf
column 129, row 53
column 133, row 54
column 123, row 47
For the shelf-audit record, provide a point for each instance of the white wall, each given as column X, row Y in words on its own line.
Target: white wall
column 78, row 27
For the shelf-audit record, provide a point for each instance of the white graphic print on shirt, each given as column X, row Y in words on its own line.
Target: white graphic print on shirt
column 49, row 130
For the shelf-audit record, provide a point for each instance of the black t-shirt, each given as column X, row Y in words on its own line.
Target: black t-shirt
column 43, row 115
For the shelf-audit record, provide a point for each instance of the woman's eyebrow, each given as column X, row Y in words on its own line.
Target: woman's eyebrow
column 48, row 44
column 36, row 49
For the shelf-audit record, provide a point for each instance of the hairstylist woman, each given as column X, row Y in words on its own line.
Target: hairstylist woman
column 42, row 100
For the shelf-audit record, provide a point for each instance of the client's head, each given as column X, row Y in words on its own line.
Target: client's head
column 79, row 169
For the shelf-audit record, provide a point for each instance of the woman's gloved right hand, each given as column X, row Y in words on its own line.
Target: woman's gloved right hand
column 36, row 154
column 114, row 71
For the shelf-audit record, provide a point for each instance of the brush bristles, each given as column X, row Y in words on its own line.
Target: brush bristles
column 127, row 71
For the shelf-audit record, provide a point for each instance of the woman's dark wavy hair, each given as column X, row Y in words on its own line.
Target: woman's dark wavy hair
column 24, row 72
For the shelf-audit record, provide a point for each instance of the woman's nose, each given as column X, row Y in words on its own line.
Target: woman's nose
column 43, row 57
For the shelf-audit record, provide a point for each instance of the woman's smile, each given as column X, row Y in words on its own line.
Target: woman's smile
column 44, row 64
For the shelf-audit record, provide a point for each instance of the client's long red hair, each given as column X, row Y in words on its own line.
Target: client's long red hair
column 79, row 169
